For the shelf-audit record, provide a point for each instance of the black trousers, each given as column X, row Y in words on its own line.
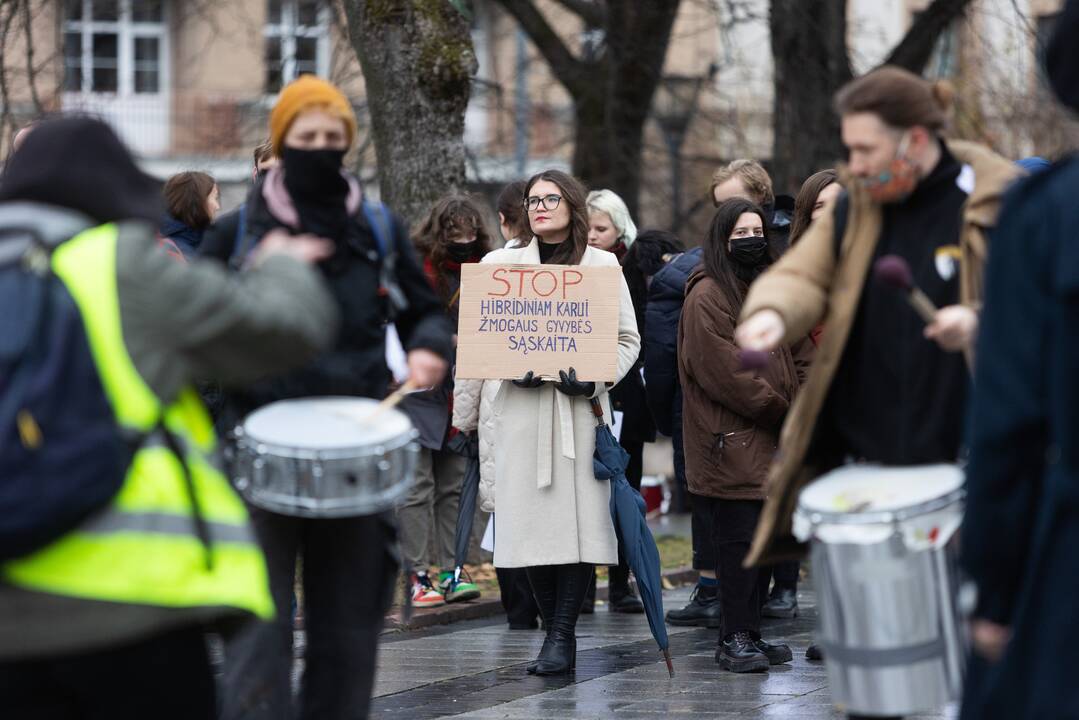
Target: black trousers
column 740, row 591
column 349, row 566
column 517, row 598
column 702, row 533
column 785, row 575
column 165, row 677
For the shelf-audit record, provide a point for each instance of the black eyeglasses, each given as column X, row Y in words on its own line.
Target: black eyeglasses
column 549, row 202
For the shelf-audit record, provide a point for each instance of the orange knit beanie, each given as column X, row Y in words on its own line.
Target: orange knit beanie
column 304, row 93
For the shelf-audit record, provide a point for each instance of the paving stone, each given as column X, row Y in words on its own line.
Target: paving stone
column 476, row 669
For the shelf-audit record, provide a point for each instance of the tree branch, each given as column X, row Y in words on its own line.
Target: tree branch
column 31, row 73
column 593, row 12
column 916, row 47
column 568, row 69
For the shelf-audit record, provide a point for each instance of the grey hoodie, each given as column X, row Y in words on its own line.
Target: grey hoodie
column 181, row 322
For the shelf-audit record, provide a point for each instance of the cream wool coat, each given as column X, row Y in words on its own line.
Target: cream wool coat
column 538, row 444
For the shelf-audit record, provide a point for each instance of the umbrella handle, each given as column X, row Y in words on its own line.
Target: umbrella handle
column 597, row 410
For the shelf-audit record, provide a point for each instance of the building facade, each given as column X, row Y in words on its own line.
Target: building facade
column 189, row 83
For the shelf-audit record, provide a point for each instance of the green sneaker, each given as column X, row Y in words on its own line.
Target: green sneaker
column 456, row 587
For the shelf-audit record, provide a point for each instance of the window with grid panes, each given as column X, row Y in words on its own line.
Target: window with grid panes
column 113, row 46
column 296, row 41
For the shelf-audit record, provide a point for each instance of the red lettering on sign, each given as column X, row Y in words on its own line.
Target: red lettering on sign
column 497, row 277
column 566, row 274
column 521, row 272
column 554, row 283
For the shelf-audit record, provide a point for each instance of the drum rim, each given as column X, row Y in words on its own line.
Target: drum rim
column 883, row 517
column 249, row 443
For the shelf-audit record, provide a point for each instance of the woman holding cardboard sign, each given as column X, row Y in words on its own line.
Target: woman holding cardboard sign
column 552, row 515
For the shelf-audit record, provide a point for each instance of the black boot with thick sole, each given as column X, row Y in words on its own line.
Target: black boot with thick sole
column 739, row 653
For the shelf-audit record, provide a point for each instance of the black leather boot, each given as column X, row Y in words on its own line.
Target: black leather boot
column 620, row 596
column 544, row 582
column 776, row 654
column 782, row 604
column 589, row 606
column 739, row 653
column 559, row 654
column 703, row 609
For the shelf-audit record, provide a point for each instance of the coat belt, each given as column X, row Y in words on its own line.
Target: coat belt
column 550, row 400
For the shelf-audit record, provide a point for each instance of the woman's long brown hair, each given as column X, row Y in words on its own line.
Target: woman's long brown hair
column 576, row 195
column 452, row 212
column 714, row 256
column 807, row 198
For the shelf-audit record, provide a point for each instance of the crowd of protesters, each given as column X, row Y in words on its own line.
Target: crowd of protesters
column 283, row 297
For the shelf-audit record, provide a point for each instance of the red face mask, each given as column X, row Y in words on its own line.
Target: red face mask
column 897, row 182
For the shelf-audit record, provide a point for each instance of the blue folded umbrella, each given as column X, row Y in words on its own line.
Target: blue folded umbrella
column 628, row 512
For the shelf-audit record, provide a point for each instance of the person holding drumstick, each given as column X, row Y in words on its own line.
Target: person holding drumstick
column 552, row 517
column 348, row 563
column 884, row 387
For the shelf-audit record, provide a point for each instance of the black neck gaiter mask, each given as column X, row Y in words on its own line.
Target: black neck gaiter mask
column 319, row 190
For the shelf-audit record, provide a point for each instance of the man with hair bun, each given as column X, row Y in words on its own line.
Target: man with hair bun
column 885, row 387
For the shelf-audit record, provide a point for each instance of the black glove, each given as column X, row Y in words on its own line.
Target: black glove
column 528, row 381
column 570, row 385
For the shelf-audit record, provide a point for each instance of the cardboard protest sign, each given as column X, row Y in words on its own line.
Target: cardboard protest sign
column 543, row 318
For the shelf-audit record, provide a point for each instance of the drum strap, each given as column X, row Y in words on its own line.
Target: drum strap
column 884, row 657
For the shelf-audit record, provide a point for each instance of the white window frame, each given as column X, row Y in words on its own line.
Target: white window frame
column 126, row 31
column 288, row 30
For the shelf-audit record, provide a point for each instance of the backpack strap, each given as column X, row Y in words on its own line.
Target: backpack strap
column 242, row 244
column 382, row 225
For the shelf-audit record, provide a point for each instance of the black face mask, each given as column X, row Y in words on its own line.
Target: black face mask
column 314, row 175
column 319, row 191
column 749, row 251
column 461, row 252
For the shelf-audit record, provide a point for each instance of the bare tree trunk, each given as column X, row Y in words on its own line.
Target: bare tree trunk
column 612, row 92
column 638, row 34
column 418, row 61
column 809, row 47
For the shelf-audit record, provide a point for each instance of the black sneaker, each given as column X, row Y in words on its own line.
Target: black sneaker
column 813, row 652
column 782, row 604
column 703, row 610
column 776, row 654
column 739, row 653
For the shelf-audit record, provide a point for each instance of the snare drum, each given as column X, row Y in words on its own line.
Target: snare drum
column 318, row 457
column 884, row 549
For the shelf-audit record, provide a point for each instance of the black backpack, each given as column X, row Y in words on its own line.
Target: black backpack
column 62, row 453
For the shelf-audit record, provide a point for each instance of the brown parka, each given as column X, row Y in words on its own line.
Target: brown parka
column 730, row 417
column 811, row 284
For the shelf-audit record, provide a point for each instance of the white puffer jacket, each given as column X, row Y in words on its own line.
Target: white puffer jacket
column 473, row 408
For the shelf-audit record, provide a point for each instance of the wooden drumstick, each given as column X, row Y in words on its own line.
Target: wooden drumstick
column 391, row 400
column 894, row 271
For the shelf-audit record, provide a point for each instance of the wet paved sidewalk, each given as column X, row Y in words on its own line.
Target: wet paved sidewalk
column 476, row 669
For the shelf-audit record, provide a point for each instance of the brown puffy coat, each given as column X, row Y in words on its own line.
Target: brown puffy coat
column 730, row 417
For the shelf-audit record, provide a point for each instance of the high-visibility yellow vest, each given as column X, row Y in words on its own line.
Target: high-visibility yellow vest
column 144, row 547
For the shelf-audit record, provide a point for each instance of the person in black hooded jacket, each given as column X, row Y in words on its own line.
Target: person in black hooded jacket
column 348, row 563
